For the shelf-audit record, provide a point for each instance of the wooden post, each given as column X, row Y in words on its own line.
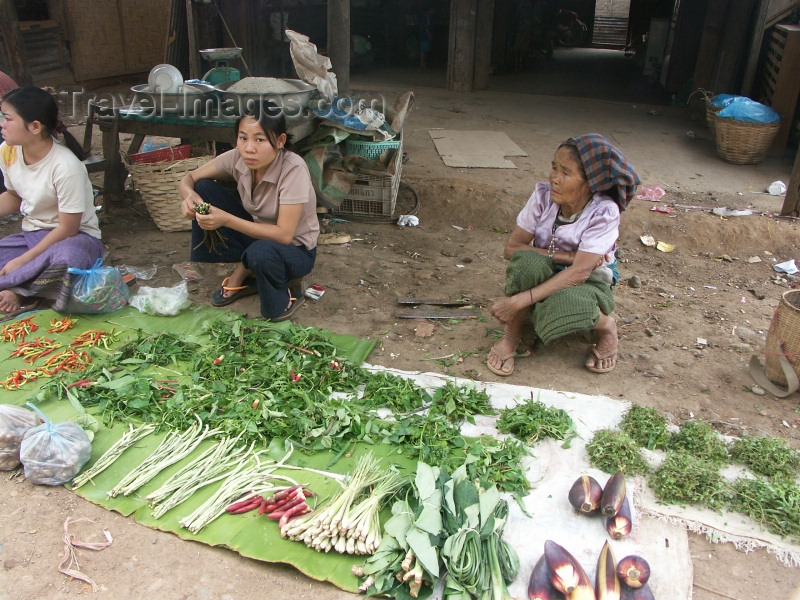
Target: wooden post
column 12, row 40
column 791, row 203
column 461, row 46
column 194, row 56
column 339, row 42
column 483, row 44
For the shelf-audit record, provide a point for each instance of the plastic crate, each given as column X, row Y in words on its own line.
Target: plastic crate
column 172, row 153
column 371, row 150
column 374, row 195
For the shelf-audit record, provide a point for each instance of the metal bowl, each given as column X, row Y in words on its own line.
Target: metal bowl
column 293, row 104
column 221, row 53
column 192, row 100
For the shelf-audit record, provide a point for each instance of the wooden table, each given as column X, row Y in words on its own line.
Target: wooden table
column 143, row 123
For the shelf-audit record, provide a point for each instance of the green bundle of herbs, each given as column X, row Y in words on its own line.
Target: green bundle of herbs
column 533, row 420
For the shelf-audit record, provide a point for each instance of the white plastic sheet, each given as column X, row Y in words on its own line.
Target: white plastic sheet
column 552, row 471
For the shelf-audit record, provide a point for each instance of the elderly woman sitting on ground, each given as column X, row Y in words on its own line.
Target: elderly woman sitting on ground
column 561, row 254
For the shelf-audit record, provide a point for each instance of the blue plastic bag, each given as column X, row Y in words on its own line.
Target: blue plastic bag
column 97, row 290
column 722, row 100
column 741, row 108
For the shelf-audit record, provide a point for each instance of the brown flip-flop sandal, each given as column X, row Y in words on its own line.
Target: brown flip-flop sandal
column 598, row 357
column 503, row 358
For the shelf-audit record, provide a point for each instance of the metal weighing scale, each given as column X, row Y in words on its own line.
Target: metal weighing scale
column 221, row 73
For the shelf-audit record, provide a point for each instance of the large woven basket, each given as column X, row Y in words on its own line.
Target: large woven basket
column 158, row 184
column 711, row 111
column 783, row 338
column 743, row 143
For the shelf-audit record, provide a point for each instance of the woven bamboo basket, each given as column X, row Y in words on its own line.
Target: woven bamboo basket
column 711, row 111
column 743, row 143
column 783, row 338
column 158, row 184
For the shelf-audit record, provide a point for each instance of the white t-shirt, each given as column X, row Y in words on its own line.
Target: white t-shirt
column 57, row 183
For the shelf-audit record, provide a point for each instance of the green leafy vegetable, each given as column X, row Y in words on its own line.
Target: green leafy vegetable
column 611, row 450
column 686, row 479
column 646, row 426
column 533, row 420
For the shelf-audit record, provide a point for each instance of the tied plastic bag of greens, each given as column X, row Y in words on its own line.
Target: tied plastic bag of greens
column 97, row 290
column 53, row 453
column 14, row 422
column 162, row 301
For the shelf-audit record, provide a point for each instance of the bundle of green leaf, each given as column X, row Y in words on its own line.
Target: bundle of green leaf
column 646, row 426
column 767, row 456
column 611, row 450
column 448, row 526
column 701, row 440
column 264, row 383
column 533, row 420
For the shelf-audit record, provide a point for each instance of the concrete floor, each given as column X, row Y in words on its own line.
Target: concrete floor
column 578, row 91
column 573, row 72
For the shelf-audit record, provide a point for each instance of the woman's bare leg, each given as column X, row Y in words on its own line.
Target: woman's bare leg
column 501, row 357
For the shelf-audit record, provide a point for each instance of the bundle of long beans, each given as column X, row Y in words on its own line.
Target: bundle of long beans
column 113, row 453
column 248, row 478
column 209, row 467
column 173, row 447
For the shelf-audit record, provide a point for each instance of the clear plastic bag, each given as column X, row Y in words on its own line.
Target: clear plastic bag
column 14, row 422
column 97, row 290
column 162, row 301
column 53, row 453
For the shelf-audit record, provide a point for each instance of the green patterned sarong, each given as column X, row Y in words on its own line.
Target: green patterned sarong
column 567, row 311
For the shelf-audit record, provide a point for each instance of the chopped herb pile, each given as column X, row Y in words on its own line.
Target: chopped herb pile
column 611, row 450
column 646, row 426
column 686, row 479
column 699, row 439
column 767, row 456
column 533, row 420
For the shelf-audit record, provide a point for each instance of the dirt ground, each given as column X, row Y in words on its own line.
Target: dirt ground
column 709, row 287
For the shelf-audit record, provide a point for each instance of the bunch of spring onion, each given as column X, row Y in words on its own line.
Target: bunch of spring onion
column 349, row 523
column 113, row 453
column 174, row 447
column 211, row 466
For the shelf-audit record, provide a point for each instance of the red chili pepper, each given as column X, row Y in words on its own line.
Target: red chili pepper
column 295, row 376
column 218, row 360
column 19, row 329
column 58, row 326
column 336, row 365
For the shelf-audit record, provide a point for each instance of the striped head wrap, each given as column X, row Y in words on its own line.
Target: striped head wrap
column 607, row 170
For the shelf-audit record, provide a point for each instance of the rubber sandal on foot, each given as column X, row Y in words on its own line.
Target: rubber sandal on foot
column 503, row 359
column 598, row 357
column 294, row 304
column 219, row 299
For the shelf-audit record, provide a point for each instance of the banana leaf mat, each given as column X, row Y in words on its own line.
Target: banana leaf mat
column 249, row 535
